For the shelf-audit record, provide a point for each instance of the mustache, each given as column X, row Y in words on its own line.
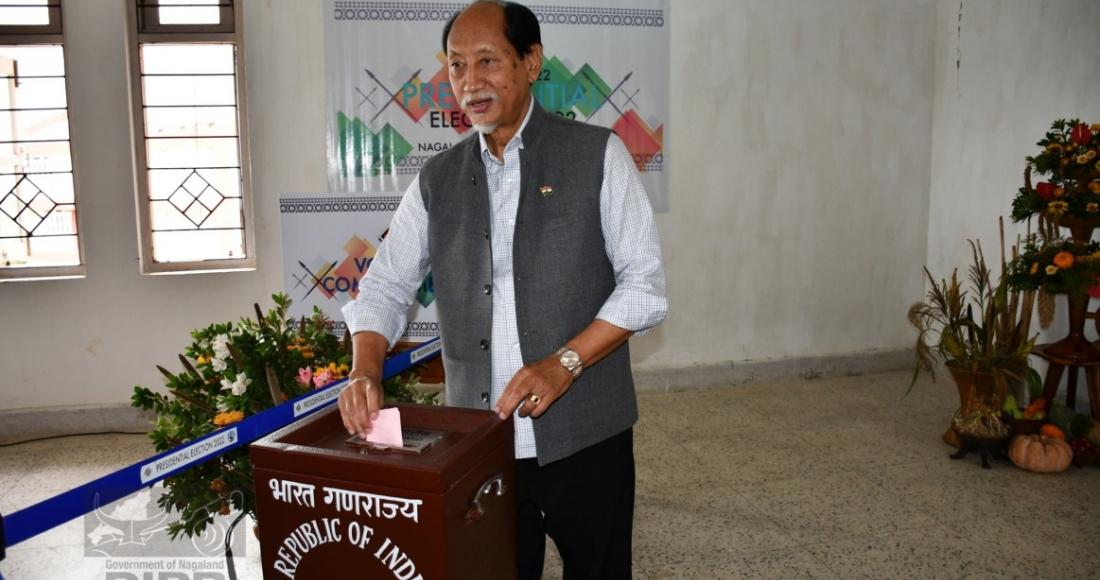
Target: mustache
column 479, row 96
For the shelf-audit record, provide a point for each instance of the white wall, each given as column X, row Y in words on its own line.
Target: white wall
column 800, row 151
column 800, row 142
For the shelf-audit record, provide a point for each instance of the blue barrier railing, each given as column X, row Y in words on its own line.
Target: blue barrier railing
column 48, row 514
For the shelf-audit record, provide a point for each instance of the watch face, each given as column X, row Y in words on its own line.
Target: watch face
column 570, row 359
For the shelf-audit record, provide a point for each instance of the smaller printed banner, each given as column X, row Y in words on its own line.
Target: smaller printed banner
column 328, row 245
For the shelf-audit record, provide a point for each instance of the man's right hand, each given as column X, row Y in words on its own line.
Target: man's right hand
column 359, row 404
column 362, row 398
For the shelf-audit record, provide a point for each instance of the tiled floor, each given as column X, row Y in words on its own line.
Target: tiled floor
column 830, row 478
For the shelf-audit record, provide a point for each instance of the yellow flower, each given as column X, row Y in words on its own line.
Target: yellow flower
column 1094, row 127
column 1052, row 270
column 202, row 360
column 1092, row 207
column 1054, row 147
column 1091, row 154
column 1082, row 159
column 1057, row 207
column 338, row 371
column 1034, row 267
column 228, row 418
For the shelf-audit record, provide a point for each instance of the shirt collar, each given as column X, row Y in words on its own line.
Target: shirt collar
column 517, row 139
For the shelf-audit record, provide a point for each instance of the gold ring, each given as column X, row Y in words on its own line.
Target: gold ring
column 535, row 399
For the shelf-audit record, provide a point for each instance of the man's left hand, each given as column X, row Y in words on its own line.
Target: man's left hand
column 536, row 387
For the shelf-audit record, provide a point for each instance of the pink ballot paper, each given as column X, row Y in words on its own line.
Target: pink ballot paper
column 386, row 429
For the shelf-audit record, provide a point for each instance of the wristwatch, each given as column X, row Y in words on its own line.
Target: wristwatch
column 571, row 361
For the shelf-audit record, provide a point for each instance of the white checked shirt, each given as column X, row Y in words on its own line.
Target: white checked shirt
column 630, row 237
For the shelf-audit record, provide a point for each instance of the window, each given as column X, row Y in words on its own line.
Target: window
column 190, row 136
column 39, row 235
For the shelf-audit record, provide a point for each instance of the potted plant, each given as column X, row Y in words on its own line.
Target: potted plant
column 982, row 334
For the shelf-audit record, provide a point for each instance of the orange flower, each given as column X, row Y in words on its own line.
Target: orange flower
column 1094, row 186
column 1063, row 260
column 1034, row 267
column 223, row 509
column 228, row 418
column 1059, row 192
column 218, row 486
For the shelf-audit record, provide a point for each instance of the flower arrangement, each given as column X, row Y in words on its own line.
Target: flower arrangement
column 1053, row 265
column 1070, row 164
column 232, row 371
column 1058, row 266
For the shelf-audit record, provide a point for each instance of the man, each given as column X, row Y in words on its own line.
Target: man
column 545, row 260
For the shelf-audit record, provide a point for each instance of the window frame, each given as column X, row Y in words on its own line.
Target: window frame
column 54, row 28
column 148, row 19
column 50, row 34
column 145, row 29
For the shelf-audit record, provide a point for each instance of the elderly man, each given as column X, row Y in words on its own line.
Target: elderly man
column 546, row 260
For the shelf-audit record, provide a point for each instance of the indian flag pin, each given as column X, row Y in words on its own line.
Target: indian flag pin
column 546, row 191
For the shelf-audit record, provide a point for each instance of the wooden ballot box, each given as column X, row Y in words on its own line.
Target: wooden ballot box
column 442, row 507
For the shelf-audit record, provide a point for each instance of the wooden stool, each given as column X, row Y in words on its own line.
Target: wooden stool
column 1058, row 362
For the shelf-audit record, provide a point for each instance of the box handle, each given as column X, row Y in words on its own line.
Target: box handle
column 476, row 511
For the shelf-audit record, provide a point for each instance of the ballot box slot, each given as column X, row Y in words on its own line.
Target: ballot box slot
column 416, row 442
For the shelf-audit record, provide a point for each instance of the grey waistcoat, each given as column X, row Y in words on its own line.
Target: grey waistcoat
column 561, row 272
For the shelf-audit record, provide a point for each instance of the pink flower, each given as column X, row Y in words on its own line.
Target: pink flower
column 322, row 377
column 305, row 375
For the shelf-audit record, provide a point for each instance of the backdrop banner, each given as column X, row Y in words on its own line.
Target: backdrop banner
column 391, row 107
column 328, row 244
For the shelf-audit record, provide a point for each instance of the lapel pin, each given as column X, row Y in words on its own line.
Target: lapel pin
column 546, row 190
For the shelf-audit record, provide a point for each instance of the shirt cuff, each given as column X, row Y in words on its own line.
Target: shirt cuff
column 634, row 310
column 375, row 317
